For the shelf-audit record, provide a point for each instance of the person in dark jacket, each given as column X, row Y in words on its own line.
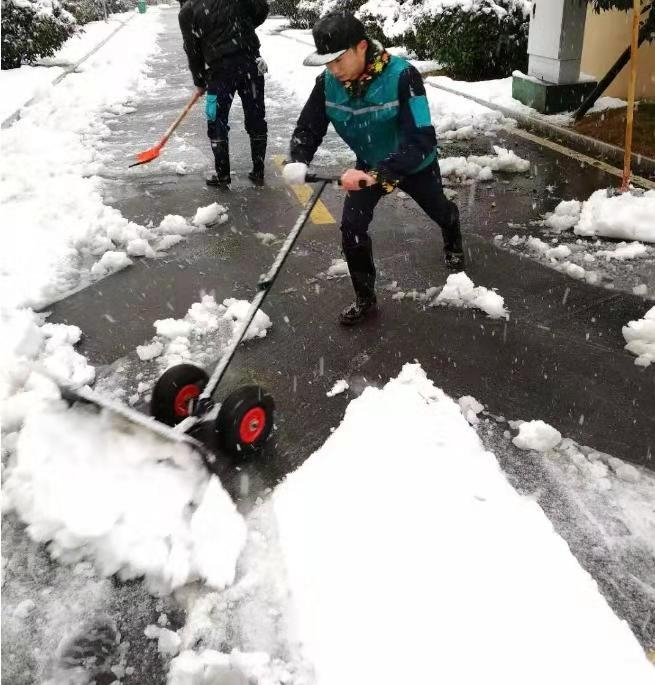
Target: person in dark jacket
column 377, row 104
column 223, row 52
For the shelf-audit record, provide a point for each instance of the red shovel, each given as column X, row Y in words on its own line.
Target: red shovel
column 153, row 152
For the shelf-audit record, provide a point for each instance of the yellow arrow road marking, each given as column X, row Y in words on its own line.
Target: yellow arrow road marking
column 320, row 215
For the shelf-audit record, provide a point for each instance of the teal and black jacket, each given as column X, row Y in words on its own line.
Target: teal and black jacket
column 388, row 128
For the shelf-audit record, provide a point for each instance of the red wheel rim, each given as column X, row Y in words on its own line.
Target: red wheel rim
column 182, row 399
column 252, row 425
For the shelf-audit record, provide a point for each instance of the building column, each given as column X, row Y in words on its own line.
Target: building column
column 553, row 82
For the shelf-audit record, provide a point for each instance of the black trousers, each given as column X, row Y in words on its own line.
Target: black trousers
column 235, row 74
column 425, row 188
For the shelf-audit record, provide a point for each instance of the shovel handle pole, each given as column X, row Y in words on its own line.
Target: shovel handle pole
column 194, row 98
column 264, row 286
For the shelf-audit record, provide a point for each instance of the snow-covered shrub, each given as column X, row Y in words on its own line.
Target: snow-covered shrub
column 304, row 13
column 85, row 11
column 33, row 29
column 472, row 39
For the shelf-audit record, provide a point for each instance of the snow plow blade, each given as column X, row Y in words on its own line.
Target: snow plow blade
column 138, row 420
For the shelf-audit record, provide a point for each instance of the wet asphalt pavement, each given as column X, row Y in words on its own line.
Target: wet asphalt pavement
column 559, row 358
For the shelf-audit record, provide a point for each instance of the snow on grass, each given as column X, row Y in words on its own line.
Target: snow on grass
column 640, row 338
column 460, row 291
column 446, row 538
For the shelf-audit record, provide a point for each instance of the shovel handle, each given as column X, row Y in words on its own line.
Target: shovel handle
column 194, row 98
column 315, row 178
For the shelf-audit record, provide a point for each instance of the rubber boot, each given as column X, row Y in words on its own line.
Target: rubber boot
column 362, row 274
column 221, row 150
column 258, row 151
column 452, row 242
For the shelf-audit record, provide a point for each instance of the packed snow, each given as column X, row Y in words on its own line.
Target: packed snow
column 640, row 338
column 460, row 291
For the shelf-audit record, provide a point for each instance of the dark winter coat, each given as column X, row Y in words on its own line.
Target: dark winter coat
column 214, row 29
column 389, row 128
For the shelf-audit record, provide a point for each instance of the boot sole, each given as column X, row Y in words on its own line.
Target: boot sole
column 371, row 313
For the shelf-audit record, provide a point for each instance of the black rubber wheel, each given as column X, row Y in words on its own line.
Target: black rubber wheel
column 245, row 420
column 176, row 388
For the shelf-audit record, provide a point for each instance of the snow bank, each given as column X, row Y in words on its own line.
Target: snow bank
column 30, row 352
column 460, row 291
column 399, row 566
column 57, row 227
column 640, row 338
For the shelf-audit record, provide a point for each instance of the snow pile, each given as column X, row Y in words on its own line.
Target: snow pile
column 470, row 408
column 30, row 352
column 168, row 641
column 625, row 251
column 559, row 252
column 481, row 168
column 338, row 388
column 538, row 436
column 57, row 226
column 338, row 268
column 211, row 667
column 447, row 538
column 460, row 291
column 266, row 238
column 625, row 216
column 176, row 339
column 210, row 215
column 640, row 338
column 565, row 216
column 147, row 507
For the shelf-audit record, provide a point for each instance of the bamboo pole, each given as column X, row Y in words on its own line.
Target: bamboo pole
column 636, row 11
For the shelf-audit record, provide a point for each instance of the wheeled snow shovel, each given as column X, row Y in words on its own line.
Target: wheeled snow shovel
column 183, row 396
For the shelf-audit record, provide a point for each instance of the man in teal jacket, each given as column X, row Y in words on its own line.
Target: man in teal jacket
column 377, row 104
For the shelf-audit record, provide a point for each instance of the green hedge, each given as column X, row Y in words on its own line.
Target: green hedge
column 473, row 45
column 304, row 13
column 86, row 11
column 483, row 40
column 31, row 31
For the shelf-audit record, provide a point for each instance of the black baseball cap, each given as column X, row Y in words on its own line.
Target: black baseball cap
column 333, row 34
